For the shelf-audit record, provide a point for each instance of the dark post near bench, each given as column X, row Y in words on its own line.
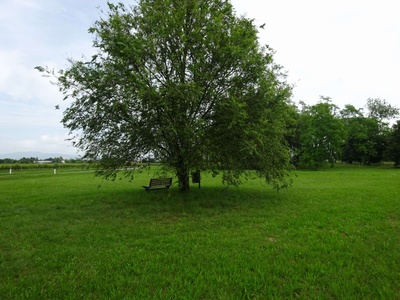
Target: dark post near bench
column 196, row 177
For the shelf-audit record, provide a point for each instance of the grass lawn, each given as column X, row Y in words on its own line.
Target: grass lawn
column 335, row 234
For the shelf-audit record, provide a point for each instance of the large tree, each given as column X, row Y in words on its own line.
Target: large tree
column 185, row 81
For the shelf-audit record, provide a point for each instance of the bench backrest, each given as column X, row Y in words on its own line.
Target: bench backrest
column 160, row 181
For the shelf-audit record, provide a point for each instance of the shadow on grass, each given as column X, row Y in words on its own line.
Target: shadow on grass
column 204, row 201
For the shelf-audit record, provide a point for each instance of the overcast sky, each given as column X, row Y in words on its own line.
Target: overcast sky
column 348, row 50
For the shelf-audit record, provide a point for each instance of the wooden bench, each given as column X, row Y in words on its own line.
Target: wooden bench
column 158, row 184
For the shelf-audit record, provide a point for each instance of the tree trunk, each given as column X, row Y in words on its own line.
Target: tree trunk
column 182, row 171
column 183, row 179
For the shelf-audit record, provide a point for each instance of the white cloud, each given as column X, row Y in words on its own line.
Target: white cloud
column 21, row 82
column 44, row 33
column 347, row 50
column 44, row 143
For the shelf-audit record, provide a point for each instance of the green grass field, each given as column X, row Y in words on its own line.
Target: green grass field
column 335, row 234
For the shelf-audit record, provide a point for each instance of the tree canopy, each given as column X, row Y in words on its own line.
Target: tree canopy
column 184, row 81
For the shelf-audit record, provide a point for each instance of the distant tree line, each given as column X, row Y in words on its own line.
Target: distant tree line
column 324, row 134
column 33, row 160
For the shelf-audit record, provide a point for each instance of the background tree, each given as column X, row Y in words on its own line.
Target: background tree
column 367, row 136
column 381, row 110
column 363, row 141
column 293, row 134
column 28, row 160
column 183, row 81
column 322, row 133
column 394, row 144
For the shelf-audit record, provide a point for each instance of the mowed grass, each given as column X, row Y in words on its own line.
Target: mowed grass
column 334, row 235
